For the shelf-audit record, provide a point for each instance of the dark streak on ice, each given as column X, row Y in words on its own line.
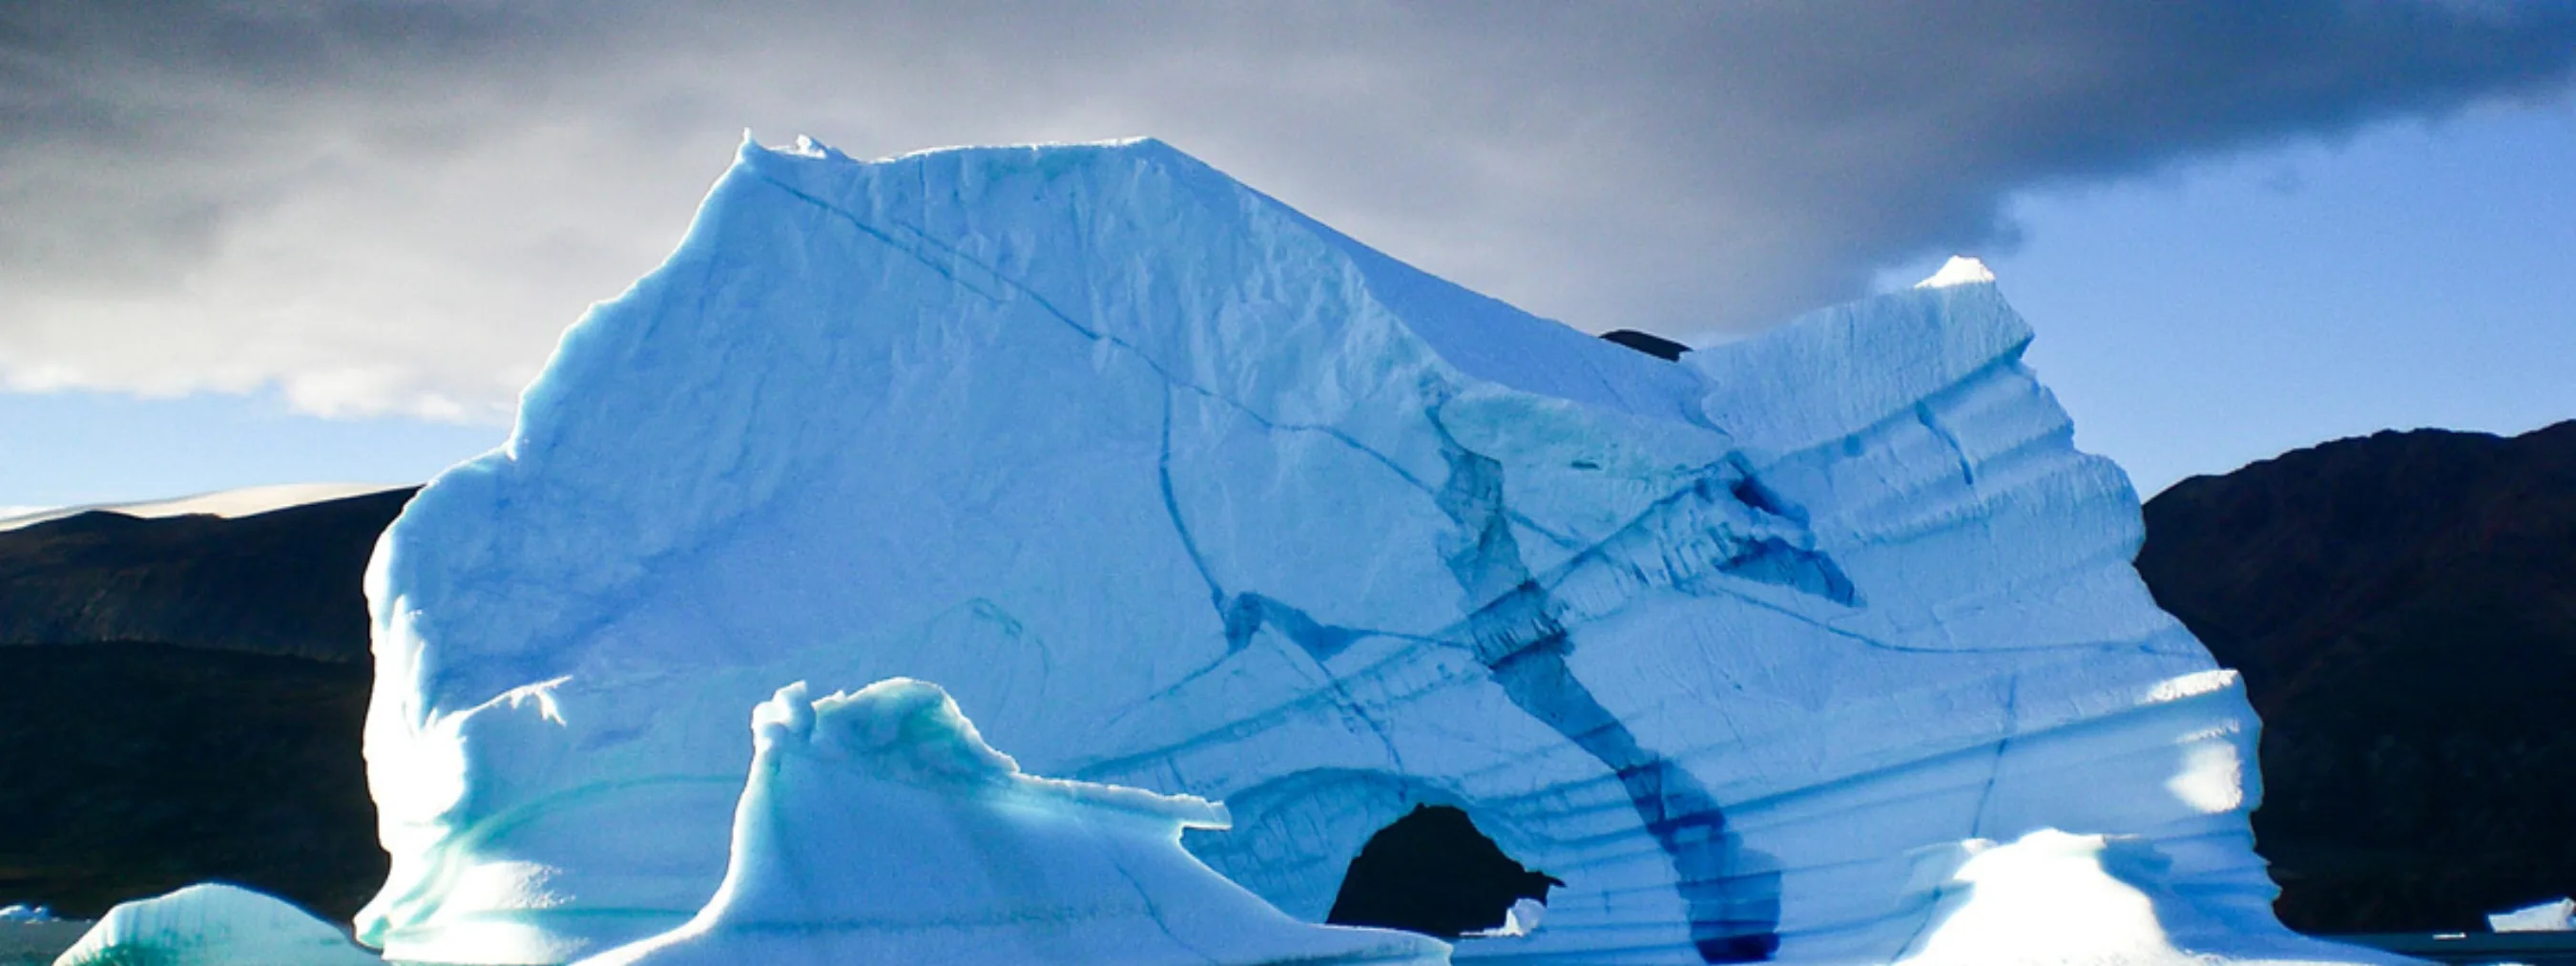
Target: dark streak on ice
column 1181, row 525
column 1752, row 493
column 950, row 258
column 1734, row 912
column 1772, row 560
column 1967, row 467
column 1247, row 613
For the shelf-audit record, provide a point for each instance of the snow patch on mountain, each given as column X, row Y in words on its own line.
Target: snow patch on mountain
column 248, row 501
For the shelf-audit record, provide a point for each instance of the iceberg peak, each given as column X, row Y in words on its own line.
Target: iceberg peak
column 1959, row 270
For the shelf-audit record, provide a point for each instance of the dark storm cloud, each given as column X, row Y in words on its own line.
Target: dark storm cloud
column 397, row 204
column 130, row 131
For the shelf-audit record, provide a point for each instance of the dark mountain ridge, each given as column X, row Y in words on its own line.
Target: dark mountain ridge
column 181, row 700
column 2403, row 608
column 279, row 583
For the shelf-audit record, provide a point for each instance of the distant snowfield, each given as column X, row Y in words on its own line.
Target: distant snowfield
column 226, row 503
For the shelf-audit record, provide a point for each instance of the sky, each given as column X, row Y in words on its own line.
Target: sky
column 252, row 243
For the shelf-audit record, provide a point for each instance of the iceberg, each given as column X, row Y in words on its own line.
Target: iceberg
column 213, row 924
column 2557, row 915
column 1175, row 489
column 878, row 827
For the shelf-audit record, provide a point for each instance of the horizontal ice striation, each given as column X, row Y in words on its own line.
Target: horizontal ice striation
column 878, row 827
column 1175, row 489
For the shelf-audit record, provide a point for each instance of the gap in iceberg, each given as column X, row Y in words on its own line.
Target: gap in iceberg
column 1431, row 872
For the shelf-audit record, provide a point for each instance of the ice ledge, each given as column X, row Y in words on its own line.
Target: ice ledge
column 878, row 826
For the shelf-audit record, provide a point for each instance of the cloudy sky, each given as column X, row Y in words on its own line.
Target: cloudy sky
column 279, row 241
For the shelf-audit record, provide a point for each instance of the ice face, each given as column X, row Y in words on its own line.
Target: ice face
column 213, row 924
column 1176, row 489
column 878, row 827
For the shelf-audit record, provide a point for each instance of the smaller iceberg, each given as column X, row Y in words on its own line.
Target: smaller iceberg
column 26, row 913
column 878, row 827
column 2558, row 916
column 1519, row 920
column 212, row 924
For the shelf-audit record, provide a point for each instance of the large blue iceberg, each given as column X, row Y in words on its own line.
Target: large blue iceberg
column 1173, row 488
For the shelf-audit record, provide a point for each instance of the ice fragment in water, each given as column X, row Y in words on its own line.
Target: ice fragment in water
column 213, row 924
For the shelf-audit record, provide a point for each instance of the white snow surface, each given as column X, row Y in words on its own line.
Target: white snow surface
column 1173, row 488
column 1519, row 920
column 1959, row 270
column 2055, row 899
column 2555, row 916
column 212, row 924
column 244, row 502
column 879, row 828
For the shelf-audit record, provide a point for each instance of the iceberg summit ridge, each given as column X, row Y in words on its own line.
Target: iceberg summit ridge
column 1174, row 489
